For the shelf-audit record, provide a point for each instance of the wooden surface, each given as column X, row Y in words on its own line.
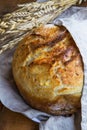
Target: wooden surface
column 1, row 106
column 11, row 120
column 14, row 121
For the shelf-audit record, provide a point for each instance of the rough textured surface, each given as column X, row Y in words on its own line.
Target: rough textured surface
column 48, row 70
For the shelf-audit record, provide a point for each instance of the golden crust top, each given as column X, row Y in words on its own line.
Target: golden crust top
column 47, row 67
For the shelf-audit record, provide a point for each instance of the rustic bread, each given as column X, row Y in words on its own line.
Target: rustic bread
column 48, row 70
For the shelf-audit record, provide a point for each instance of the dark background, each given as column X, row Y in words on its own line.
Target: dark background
column 10, row 5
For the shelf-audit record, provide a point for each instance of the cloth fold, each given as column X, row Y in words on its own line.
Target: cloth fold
column 58, row 123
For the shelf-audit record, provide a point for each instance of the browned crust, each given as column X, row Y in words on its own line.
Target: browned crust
column 48, row 70
column 63, row 105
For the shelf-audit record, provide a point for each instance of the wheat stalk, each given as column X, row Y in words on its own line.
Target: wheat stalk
column 15, row 25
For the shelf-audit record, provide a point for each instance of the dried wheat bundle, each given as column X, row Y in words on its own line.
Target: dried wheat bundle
column 15, row 25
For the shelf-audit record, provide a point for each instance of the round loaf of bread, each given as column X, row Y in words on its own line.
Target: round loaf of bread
column 48, row 70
